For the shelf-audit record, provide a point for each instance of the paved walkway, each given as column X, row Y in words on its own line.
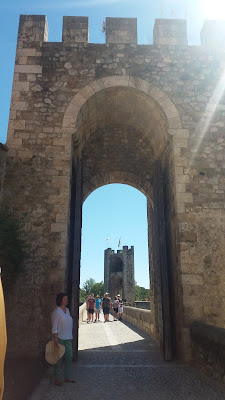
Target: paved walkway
column 118, row 362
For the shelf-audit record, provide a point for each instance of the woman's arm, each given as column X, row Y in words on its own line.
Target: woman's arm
column 55, row 336
column 55, row 319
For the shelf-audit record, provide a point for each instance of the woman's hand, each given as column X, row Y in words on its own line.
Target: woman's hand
column 56, row 341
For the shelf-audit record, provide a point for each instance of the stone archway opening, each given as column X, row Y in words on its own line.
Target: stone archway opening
column 119, row 132
column 122, row 260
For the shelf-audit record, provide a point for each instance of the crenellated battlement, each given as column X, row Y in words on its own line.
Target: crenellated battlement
column 34, row 28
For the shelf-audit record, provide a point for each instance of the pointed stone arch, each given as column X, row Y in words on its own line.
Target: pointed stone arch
column 163, row 101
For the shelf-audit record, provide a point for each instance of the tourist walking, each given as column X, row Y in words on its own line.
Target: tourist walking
column 120, row 308
column 115, row 306
column 97, row 308
column 106, row 304
column 91, row 307
column 87, row 307
column 62, row 325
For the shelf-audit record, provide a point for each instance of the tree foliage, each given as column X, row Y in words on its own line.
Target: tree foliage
column 13, row 245
column 90, row 286
column 141, row 293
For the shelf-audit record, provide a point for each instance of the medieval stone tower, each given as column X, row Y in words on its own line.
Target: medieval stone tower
column 119, row 273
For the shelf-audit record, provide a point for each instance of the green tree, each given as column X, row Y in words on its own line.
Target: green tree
column 83, row 295
column 141, row 293
column 98, row 288
column 88, row 284
column 13, row 246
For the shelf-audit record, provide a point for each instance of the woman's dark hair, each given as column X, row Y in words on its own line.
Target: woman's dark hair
column 59, row 298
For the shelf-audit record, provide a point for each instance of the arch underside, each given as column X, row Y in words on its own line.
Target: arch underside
column 119, row 133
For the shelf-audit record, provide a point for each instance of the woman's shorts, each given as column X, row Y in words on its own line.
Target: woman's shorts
column 97, row 310
column 91, row 311
column 105, row 310
column 115, row 310
column 120, row 310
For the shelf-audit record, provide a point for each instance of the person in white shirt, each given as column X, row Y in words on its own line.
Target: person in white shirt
column 62, row 325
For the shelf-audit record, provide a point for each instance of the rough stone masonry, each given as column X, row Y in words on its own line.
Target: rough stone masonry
column 113, row 109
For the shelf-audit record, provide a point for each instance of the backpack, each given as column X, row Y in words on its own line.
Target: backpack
column 115, row 304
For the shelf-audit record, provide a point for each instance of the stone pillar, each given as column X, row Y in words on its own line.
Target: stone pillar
column 33, row 28
column 75, row 30
column 107, row 257
column 128, row 275
column 121, row 30
column 170, row 32
column 213, row 34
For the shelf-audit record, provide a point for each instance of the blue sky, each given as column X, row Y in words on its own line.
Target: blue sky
column 113, row 210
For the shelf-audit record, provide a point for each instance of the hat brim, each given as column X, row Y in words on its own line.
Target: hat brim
column 53, row 352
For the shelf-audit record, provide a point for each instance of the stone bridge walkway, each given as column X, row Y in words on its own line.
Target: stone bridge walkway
column 118, row 362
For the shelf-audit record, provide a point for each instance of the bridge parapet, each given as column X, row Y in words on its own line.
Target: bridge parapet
column 208, row 349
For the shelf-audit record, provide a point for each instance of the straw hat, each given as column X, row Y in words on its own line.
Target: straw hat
column 53, row 353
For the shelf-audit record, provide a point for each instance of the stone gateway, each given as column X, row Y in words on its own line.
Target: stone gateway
column 84, row 115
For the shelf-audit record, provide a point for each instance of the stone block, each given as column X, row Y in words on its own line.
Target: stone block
column 59, row 227
column 28, row 69
column 26, row 52
column 191, row 279
column 180, row 142
column 21, row 86
column 75, row 30
column 185, row 197
column 121, row 30
column 170, row 32
column 33, row 28
column 17, row 124
column 188, row 236
column 19, row 105
column 182, row 178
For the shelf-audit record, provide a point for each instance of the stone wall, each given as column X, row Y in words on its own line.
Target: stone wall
column 77, row 99
column 82, row 313
column 3, row 154
column 144, row 305
column 140, row 318
column 208, row 349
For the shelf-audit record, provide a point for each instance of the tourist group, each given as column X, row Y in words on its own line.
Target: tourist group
column 95, row 304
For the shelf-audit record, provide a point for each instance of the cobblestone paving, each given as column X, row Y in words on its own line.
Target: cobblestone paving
column 116, row 361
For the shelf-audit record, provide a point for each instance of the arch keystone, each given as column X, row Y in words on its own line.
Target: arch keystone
column 122, row 80
column 109, row 81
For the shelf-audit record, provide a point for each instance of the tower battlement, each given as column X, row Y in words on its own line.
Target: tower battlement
column 167, row 32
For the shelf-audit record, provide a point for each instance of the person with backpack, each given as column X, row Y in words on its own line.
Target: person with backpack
column 120, row 308
column 106, row 305
column 97, row 308
column 91, row 307
column 115, row 306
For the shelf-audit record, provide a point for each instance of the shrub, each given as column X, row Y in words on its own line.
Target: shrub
column 13, row 246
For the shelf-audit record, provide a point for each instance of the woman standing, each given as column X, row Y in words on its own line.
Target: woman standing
column 62, row 325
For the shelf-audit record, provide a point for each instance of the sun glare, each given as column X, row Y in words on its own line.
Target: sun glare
column 213, row 9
